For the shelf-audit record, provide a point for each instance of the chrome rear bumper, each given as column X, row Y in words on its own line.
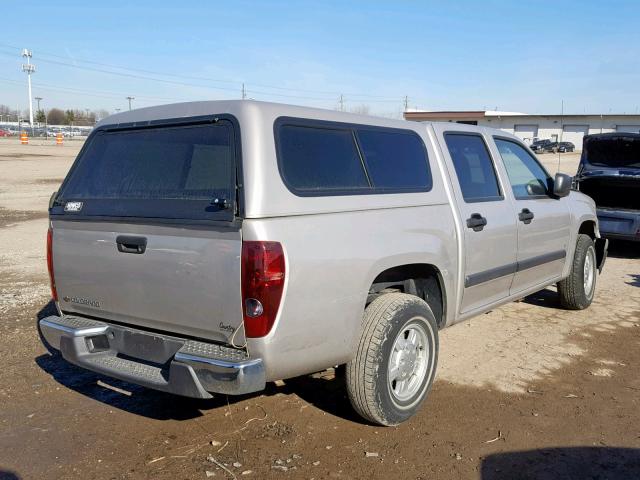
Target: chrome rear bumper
column 162, row 362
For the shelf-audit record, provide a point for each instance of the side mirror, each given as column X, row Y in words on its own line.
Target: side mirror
column 561, row 185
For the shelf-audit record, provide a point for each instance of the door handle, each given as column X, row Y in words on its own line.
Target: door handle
column 128, row 244
column 476, row 222
column 525, row 216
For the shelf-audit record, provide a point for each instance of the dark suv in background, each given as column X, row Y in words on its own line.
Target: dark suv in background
column 540, row 146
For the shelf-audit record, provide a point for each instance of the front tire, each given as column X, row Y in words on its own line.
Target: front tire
column 396, row 359
column 578, row 289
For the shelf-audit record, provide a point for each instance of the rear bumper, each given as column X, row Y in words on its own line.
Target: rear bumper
column 162, row 362
column 619, row 224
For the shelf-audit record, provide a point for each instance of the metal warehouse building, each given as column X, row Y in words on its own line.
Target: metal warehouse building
column 565, row 128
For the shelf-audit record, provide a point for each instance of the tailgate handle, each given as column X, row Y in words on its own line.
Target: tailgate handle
column 127, row 244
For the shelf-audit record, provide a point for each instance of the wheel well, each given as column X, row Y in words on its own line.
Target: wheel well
column 422, row 280
column 588, row 228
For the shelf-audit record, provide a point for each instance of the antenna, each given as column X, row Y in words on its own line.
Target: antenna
column 130, row 98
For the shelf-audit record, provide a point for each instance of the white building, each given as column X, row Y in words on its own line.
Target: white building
column 565, row 128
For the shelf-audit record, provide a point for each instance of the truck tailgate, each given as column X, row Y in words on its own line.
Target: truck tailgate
column 186, row 282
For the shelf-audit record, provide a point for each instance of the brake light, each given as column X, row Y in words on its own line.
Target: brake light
column 263, row 274
column 52, row 281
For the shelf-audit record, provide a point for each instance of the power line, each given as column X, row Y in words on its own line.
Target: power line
column 93, row 93
column 206, row 79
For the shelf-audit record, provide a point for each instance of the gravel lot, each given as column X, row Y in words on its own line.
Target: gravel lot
column 525, row 391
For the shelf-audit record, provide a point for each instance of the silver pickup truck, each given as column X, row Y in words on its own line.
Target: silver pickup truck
column 212, row 247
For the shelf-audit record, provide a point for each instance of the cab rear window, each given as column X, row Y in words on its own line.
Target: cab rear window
column 168, row 171
column 329, row 158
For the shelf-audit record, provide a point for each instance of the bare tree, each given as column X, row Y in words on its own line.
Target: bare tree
column 100, row 114
column 361, row 109
column 55, row 117
column 69, row 117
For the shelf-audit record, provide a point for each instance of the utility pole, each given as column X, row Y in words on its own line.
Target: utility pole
column 130, row 98
column 28, row 68
column 341, row 102
column 37, row 99
column 244, row 93
column 406, row 103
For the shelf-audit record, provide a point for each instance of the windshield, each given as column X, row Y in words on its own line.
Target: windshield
column 613, row 152
column 146, row 171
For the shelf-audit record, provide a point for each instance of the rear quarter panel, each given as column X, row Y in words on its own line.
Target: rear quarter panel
column 331, row 261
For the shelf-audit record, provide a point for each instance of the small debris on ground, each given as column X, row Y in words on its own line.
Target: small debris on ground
column 495, row 439
column 370, row 454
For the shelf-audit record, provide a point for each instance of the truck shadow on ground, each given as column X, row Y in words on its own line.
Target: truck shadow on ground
column 325, row 394
column 547, row 298
column 565, row 462
column 325, row 391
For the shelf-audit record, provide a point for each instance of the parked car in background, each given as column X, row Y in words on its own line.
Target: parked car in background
column 555, row 147
column 609, row 172
column 211, row 247
column 566, row 147
column 4, row 133
column 539, row 145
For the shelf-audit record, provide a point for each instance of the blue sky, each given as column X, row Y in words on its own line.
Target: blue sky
column 509, row 55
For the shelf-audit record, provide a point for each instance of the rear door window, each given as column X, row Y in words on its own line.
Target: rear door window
column 395, row 160
column 173, row 172
column 474, row 167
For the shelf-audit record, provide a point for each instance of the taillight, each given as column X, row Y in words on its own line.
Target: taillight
column 52, row 281
column 262, row 284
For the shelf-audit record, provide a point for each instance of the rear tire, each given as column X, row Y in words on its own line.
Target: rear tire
column 578, row 289
column 395, row 361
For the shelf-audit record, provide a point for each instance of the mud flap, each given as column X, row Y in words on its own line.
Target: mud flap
column 602, row 247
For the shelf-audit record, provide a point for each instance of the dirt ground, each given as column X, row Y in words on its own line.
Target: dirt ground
column 528, row 391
